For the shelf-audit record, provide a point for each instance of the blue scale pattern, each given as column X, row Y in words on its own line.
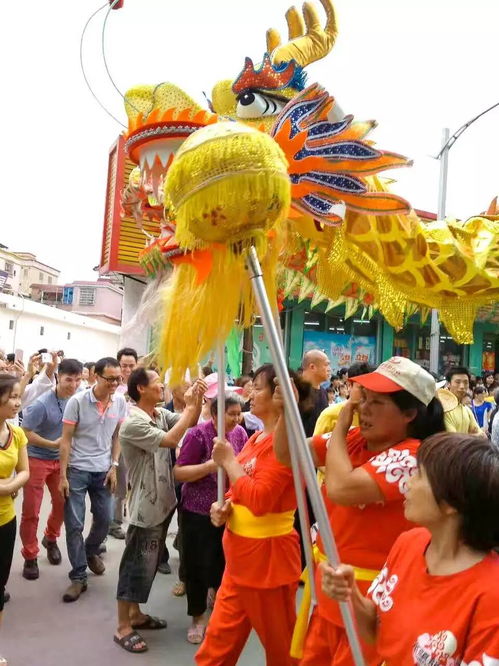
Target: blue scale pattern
column 317, row 204
column 347, row 150
column 340, row 182
column 295, row 114
column 325, row 129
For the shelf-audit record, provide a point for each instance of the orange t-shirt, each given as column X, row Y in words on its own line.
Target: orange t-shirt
column 266, row 488
column 436, row 620
column 364, row 534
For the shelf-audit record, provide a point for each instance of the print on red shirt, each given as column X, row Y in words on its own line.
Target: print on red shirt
column 427, row 620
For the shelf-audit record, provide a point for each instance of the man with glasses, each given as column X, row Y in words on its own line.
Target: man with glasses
column 89, row 454
column 127, row 358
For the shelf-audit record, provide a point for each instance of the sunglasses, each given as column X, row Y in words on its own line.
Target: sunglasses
column 112, row 380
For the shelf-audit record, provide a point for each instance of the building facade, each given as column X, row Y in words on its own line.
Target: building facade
column 100, row 299
column 358, row 339
column 27, row 326
column 23, row 269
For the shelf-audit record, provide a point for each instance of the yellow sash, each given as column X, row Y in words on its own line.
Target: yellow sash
column 302, row 618
column 246, row 524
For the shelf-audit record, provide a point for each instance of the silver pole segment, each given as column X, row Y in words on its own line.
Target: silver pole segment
column 444, row 170
column 299, row 490
column 442, row 200
column 302, row 511
column 220, row 356
column 304, row 454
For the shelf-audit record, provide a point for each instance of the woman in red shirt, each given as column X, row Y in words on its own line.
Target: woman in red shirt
column 261, row 547
column 436, row 600
column 367, row 471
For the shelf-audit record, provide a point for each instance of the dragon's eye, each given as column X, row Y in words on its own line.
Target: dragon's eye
column 254, row 105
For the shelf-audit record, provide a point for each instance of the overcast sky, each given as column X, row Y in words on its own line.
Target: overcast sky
column 415, row 66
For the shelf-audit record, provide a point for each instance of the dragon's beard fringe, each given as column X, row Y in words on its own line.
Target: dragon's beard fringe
column 198, row 316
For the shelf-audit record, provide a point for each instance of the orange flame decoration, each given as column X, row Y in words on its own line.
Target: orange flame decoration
column 265, row 77
column 328, row 161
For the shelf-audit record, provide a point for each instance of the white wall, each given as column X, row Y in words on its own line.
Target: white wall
column 90, row 339
column 138, row 336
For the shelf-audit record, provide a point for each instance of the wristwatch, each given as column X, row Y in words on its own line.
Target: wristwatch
column 115, row 463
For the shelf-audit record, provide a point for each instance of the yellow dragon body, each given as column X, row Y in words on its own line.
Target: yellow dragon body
column 347, row 237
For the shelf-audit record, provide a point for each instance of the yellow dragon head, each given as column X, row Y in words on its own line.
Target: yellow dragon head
column 347, row 236
column 258, row 94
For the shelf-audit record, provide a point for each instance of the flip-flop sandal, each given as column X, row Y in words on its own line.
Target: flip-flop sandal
column 129, row 642
column 195, row 633
column 151, row 623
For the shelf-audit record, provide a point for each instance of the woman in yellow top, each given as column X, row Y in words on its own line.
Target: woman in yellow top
column 13, row 458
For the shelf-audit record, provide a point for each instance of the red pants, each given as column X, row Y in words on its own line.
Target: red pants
column 326, row 644
column 238, row 610
column 41, row 472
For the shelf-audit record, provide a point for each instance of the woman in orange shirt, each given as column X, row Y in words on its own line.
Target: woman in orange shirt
column 262, row 551
column 367, row 471
column 436, row 600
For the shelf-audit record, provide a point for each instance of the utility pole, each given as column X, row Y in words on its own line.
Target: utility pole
column 442, row 200
column 443, row 156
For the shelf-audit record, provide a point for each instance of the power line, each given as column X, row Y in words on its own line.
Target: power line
column 83, row 66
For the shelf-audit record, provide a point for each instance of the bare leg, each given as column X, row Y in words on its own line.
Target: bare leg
column 135, row 614
column 3, row 661
column 200, row 619
column 126, row 611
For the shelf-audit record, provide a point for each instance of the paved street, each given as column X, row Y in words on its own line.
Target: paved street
column 40, row 630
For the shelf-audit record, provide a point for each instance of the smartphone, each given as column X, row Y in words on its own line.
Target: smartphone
column 46, row 358
column 19, row 355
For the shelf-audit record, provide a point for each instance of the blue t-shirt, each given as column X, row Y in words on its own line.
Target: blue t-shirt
column 479, row 411
column 44, row 416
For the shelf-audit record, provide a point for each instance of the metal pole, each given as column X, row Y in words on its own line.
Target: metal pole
column 444, row 169
column 302, row 511
column 298, row 481
column 220, row 356
column 442, row 198
column 304, row 454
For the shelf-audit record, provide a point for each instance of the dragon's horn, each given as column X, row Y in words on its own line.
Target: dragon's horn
column 308, row 40
column 493, row 208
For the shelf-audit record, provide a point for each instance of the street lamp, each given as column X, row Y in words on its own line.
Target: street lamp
column 443, row 156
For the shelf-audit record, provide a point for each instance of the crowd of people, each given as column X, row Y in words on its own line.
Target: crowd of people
column 409, row 473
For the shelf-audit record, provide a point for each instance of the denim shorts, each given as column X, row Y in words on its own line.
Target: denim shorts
column 139, row 563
